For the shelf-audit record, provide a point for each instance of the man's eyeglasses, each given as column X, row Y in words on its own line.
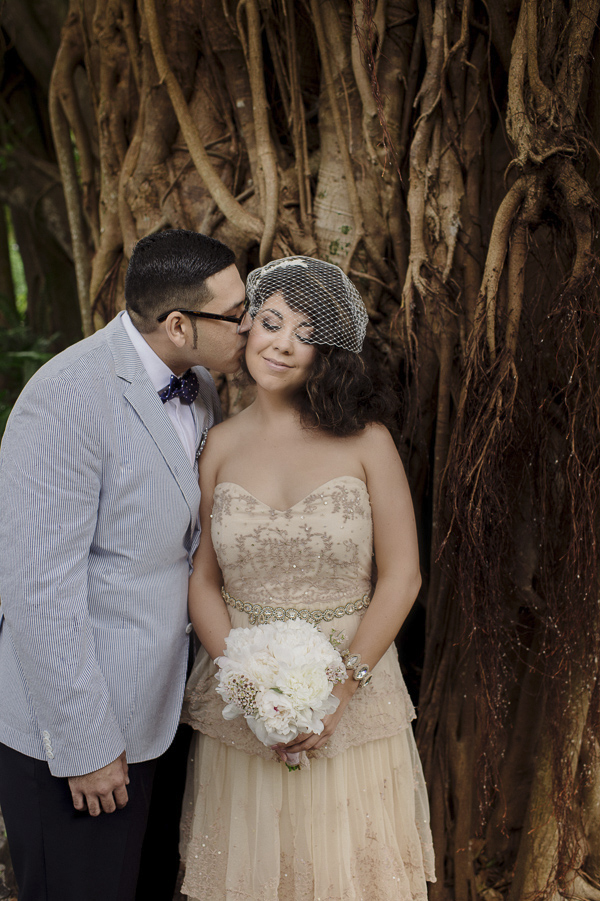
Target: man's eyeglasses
column 237, row 319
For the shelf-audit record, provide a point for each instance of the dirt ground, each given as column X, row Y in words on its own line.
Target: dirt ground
column 8, row 887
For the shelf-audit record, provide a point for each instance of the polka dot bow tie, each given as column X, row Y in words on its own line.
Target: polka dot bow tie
column 185, row 388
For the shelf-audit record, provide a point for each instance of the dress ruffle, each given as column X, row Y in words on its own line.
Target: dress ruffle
column 350, row 828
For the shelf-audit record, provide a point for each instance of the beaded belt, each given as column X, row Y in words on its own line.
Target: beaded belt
column 260, row 614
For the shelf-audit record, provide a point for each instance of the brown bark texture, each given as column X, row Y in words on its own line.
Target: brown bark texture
column 444, row 154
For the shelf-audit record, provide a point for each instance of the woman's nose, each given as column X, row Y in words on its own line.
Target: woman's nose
column 284, row 339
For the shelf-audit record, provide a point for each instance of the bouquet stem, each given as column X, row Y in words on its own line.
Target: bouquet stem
column 292, row 761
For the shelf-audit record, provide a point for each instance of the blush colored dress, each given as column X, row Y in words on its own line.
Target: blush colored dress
column 353, row 823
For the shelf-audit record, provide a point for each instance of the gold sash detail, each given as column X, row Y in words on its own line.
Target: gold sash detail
column 260, row 614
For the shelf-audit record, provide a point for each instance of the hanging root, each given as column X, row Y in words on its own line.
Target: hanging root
column 229, row 206
column 539, row 442
column 569, row 501
column 68, row 173
column 266, row 151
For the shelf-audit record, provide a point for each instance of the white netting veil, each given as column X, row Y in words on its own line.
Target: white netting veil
column 321, row 291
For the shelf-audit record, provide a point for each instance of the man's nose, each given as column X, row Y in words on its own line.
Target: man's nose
column 246, row 323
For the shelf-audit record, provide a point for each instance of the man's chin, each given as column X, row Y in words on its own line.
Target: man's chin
column 235, row 364
column 231, row 368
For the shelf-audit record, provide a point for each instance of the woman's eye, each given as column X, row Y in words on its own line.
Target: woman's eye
column 304, row 338
column 270, row 326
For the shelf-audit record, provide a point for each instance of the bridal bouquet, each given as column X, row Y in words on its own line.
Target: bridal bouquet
column 279, row 676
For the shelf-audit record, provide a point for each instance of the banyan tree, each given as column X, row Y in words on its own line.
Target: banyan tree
column 444, row 153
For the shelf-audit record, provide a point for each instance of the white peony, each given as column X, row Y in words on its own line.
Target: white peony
column 304, row 684
column 279, row 676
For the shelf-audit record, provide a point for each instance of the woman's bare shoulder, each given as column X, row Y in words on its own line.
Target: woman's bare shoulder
column 226, row 434
column 375, row 438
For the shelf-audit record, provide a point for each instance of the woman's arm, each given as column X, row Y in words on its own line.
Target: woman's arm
column 398, row 576
column 396, row 548
column 207, row 608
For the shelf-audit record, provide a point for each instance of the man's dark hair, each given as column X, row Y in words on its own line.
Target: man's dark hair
column 168, row 270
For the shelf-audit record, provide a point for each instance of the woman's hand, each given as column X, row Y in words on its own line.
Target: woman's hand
column 312, row 742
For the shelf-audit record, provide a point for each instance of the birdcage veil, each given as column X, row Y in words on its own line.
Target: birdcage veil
column 320, row 290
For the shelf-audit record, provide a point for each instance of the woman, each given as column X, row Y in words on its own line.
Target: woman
column 297, row 491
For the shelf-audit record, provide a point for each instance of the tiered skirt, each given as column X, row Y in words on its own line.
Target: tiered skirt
column 354, row 827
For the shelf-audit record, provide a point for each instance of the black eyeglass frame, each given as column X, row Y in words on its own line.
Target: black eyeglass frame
column 237, row 319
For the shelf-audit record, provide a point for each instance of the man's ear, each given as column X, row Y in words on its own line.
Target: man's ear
column 177, row 328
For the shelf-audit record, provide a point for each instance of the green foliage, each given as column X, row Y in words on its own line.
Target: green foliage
column 21, row 354
column 7, row 156
column 11, row 137
column 16, row 264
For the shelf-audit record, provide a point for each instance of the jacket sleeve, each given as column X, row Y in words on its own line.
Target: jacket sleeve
column 50, row 483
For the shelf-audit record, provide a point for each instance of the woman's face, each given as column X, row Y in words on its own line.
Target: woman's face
column 278, row 356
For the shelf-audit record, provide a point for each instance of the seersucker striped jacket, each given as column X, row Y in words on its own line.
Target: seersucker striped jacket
column 98, row 523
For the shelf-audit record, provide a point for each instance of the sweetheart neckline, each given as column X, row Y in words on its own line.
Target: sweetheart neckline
column 306, row 496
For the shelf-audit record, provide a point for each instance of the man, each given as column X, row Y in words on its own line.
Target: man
column 98, row 525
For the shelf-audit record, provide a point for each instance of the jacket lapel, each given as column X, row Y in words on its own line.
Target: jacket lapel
column 139, row 391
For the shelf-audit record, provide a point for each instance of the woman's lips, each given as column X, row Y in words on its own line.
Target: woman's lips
column 276, row 365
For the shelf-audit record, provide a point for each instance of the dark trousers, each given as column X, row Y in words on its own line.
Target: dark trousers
column 59, row 854
column 160, row 852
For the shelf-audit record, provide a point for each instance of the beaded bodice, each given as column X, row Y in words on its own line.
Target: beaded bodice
column 315, row 554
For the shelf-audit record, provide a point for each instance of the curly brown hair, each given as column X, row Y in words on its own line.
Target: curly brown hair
column 345, row 391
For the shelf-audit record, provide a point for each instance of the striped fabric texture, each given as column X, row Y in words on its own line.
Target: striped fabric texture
column 98, row 524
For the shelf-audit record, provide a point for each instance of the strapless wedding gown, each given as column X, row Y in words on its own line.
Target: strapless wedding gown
column 353, row 823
